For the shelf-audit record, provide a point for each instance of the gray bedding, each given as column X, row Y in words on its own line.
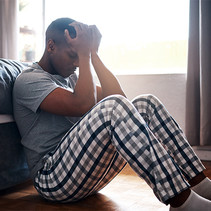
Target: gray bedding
column 13, row 166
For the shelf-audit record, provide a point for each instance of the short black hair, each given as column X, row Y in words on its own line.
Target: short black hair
column 55, row 30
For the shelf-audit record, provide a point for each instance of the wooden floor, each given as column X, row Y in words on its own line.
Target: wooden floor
column 127, row 192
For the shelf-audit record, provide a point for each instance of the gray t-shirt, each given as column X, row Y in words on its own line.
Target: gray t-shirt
column 40, row 131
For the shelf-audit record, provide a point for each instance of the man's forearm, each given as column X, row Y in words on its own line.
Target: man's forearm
column 85, row 86
column 109, row 83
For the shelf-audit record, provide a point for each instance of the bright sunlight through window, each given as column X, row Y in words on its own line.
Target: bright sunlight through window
column 139, row 36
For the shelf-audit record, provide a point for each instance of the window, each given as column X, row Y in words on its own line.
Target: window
column 139, row 36
column 31, row 30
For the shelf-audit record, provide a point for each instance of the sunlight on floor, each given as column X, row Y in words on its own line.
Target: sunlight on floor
column 135, row 195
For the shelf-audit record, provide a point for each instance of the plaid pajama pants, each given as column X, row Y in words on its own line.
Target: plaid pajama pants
column 111, row 134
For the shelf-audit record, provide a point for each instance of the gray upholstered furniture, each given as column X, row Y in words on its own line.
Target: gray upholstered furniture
column 13, row 167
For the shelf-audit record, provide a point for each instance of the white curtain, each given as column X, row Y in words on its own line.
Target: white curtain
column 9, row 29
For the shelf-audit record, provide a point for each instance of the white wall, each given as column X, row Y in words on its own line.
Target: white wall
column 169, row 88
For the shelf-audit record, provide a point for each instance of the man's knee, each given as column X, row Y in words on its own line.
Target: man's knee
column 152, row 98
column 146, row 100
column 145, row 97
column 117, row 102
column 116, row 98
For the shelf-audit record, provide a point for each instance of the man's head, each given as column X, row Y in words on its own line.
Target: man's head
column 55, row 30
column 58, row 57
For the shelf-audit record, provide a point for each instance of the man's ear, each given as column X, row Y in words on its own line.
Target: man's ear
column 51, row 46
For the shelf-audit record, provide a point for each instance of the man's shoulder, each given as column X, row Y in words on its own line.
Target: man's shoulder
column 31, row 75
column 32, row 72
column 31, row 79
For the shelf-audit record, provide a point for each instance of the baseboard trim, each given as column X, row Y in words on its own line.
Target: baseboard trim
column 203, row 152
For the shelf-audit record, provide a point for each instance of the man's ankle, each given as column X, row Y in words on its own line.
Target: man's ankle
column 179, row 199
column 197, row 179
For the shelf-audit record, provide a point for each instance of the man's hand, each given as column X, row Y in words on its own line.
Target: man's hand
column 81, row 44
column 95, row 38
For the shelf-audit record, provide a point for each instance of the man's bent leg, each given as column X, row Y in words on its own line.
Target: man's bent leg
column 168, row 132
column 83, row 157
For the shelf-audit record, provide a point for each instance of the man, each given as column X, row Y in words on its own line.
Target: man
column 78, row 136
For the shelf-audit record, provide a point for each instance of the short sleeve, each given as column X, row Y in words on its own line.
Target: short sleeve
column 31, row 88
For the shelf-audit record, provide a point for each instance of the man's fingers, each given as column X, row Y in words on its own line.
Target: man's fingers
column 76, row 28
column 67, row 36
column 95, row 30
column 79, row 26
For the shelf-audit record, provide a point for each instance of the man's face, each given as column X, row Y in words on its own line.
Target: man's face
column 64, row 61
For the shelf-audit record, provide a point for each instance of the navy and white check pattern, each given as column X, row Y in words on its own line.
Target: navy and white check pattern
column 114, row 132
